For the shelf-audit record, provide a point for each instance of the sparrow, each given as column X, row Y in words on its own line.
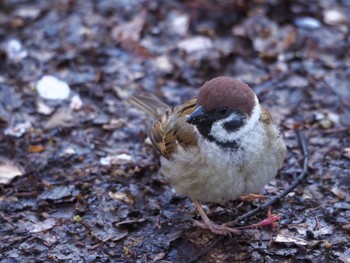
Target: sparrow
column 216, row 147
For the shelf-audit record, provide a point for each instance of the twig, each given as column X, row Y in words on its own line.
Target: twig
column 336, row 130
column 303, row 145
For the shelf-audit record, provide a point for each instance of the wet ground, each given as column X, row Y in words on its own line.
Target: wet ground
column 80, row 181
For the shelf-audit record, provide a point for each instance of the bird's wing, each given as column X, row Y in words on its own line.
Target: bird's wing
column 150, row 104
column 172, row 130
column 265, row 115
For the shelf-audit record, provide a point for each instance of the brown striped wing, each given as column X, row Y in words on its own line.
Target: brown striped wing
column 172, row 130
column 150, row 104
column 265, row 115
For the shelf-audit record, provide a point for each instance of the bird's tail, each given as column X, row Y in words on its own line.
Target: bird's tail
column 150, row 104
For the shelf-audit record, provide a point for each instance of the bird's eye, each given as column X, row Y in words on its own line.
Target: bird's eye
column 223, row 110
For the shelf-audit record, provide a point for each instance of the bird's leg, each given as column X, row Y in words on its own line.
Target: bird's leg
column 269, row 221
column 208, row 224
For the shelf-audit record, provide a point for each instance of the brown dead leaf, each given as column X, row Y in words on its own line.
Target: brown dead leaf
column 36, row 148
column 61, row 118
column 346, row 228
column 338, row 192
column 129, row 34
column 129, row 31
column 159, row 256
column 122, row 197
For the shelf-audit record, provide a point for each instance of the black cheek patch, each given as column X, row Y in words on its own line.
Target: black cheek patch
column 234, row 124
column 204, row 129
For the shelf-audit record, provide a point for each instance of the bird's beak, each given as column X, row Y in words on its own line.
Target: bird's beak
column 197, row 116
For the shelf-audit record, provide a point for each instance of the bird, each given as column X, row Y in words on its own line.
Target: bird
column 216, row 147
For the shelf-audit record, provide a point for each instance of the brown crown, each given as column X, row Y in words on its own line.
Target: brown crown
column 226, row 92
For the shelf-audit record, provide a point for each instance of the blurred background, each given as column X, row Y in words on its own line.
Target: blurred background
column 78, row 177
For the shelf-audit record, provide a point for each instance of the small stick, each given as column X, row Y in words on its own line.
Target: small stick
column 336, row 130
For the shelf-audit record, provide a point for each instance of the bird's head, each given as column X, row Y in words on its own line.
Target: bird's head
column 226, row 109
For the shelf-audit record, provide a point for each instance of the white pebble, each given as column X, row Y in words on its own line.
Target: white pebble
column 76, row 103
column 52, row 88
column 15, row 50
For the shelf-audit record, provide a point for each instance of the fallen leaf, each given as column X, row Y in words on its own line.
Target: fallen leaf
column 36, row 148
column 334, row 17
column 42, row 108
column 159, row 256
column 307, row 22
column 60, row 194
column 8, row 171
column 19, row 129
column 285, row 236
column 15, row 50
column 117, row 159
column 61, row 118
column 344, row 257
column 129, row 31
column 338, row 192
column 76, row 103
column 122, row 197
column 128, row 35
column 195, row 44
column 346, row 152
column 346, row 228
column 42, row 226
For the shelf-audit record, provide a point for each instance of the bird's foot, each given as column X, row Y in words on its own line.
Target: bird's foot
column 269, row 221
column 216, row 229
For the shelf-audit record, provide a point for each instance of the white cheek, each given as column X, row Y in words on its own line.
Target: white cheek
column 219, row 132
column 222, row 135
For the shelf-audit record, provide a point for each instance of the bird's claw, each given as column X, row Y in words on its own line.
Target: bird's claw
column 217, row 229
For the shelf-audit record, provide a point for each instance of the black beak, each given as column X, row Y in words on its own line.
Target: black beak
column 197, row 116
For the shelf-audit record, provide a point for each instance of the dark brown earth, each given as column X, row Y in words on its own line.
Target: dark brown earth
column 89, row 188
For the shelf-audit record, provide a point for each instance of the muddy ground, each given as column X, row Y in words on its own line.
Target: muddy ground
column 80, row 181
